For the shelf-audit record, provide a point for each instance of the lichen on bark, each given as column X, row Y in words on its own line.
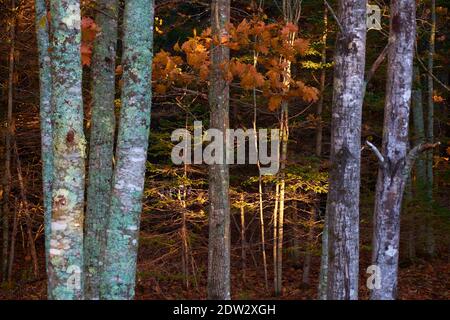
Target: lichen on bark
column 101, row 141
column 118, row 276
column 66, row 243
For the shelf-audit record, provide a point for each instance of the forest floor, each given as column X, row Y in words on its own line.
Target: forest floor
column 159, row 280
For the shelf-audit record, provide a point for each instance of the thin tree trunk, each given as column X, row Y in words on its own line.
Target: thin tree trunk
column 66, row 243
column 319, row 129
column 420, row 167
column 323, row 277
column 281, row 200
column 101, row 144
column 243, row 240
column 46, row 114
column 324, row 255
column 275, row 236
column 219, row 218
column 12, row 249
column 430, row 243
column 344, row 183
column 296, row 234
column 260, row 182
column 183, row 231
column 25, row 207
column 9, row 133
column 119, row 276
column 392, row 175
column 309, row 246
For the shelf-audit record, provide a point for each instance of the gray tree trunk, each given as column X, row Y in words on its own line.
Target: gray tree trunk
column 119, row 274
column 101, row 144
column 343, row 197
column 323, row 276
column 393, row 173
column 219, row 215
column 66, row 243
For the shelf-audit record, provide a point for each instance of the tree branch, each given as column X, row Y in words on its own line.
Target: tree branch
column 376, row 64
column 414, row 154
column 334, row 16
column 377, row 153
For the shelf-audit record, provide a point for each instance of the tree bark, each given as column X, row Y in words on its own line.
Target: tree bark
column 324, row 256
column 118, row 279
column 101, row 144
column 323, row 276
column 66, row 243
column 344, row 184
column 219, row 215
column 430, row 245
column 392, row 175
column 8, row 138
column 46, row 114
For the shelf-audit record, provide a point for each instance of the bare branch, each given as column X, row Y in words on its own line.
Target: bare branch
column 334, row 16
column 414, row 154
column 377, row 153
column 429, row 72
column 377, row 64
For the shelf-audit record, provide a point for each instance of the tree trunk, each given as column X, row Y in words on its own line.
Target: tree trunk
column 324, row 255
column 344, row 184
column 260, row 182
column 319, row 129
column 101, row 145
column 430, row 245
column 392, row 175
column 282, row 187
column 243, row 239
column 25, row 207
column 66, row 243
column 323, row 276
column 118, row 280
column 46, row 114
column 219, row 216
column 309, row 246
column 8, row 137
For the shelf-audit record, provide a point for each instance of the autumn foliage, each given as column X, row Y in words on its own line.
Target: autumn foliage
column 274, row 47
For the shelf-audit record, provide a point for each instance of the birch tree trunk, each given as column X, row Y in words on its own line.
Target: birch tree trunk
column 46, row 114
column 219, row 215
column 66, row 243
column 101, row 144
column 393, row 175
column 344, row 184
column 118, row 277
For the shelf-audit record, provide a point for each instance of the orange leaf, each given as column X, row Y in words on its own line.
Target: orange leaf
column 86, row 54
column 275, row 102
column 289, row 28
column 301, row 46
